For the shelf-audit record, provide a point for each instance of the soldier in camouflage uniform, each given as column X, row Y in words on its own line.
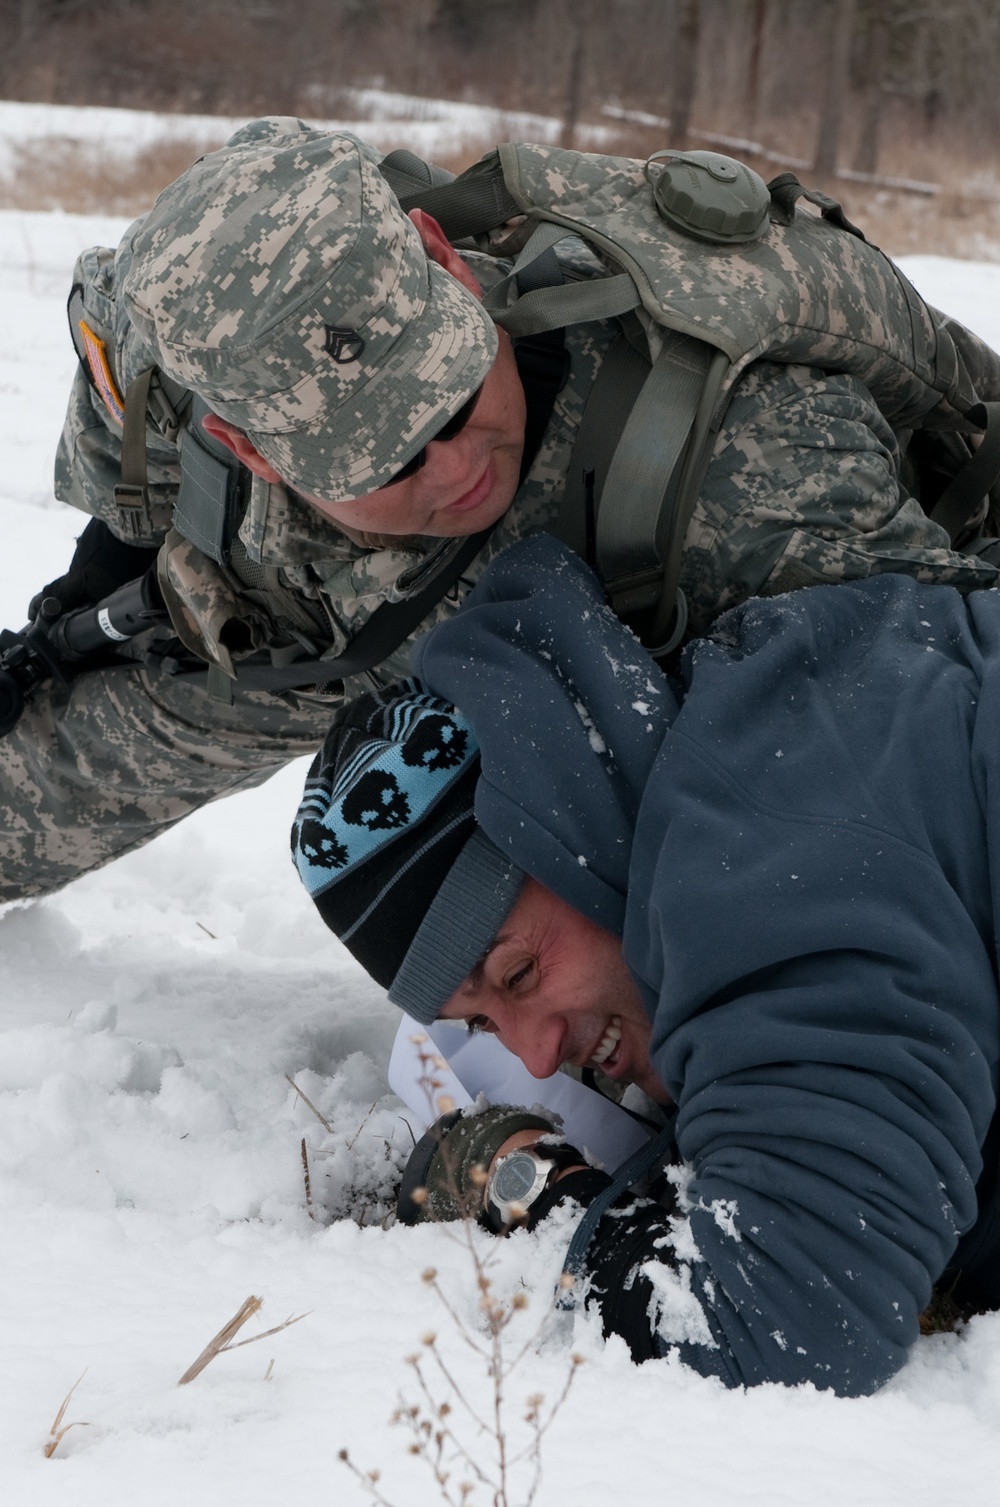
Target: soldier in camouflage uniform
column 333, row 338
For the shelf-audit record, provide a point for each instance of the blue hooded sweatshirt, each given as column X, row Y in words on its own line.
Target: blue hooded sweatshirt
column 794, row 840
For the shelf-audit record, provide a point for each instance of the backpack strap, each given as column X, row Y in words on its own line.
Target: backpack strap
column 410, row 176
column 542, row 360
column 632, row 526
column 472, row 204
column 617, row 385
column 210, row 499
column 639, row 514
column 131, row 494
column 964, row 493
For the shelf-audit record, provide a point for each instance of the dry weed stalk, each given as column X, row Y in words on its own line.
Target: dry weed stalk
column 225, row 1338
column 446, row 1429
column 60, row 1429
column 305, row 1177
column 310, row 1105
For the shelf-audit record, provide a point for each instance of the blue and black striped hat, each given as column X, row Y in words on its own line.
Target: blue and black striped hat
column 387, row 844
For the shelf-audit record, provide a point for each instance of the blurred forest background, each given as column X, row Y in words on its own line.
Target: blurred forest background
column 895, row 100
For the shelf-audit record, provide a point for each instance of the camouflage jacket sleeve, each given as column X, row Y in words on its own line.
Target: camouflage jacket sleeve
column 803, row 488
column 88, row 458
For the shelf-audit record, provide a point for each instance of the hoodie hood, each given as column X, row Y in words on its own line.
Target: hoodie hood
column 569, row 712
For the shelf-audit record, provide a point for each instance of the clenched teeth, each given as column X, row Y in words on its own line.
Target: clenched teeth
column 612, row 1036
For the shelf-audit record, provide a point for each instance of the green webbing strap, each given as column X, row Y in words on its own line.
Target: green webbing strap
column 668, row 627
column 574, row 303
column 520, row 278
column 207, row 510
column 406, row 173
column 964, row 493
column 633, row 523
column 472, row 204
column 617, row 385
column 131, row 494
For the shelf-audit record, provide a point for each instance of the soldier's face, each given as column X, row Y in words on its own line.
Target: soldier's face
column 465, row 483
column 555, row 988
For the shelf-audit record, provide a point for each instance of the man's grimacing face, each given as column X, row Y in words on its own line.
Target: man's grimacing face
column 554, row 988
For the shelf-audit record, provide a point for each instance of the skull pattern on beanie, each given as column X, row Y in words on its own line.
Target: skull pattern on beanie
column 385, row 819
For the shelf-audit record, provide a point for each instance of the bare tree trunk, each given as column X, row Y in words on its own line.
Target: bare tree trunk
column 866, row 155
column 580, row 14
column 758, row 24
column 835, row 89
column 685, row 71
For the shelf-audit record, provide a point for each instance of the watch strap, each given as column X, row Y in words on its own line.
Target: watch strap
column 583, row 1186
column 561, row 1156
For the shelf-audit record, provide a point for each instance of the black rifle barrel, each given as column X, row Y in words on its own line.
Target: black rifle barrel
column 59, row 644
column 128, row 611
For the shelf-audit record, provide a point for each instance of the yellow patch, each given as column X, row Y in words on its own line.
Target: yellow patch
column 97, row 360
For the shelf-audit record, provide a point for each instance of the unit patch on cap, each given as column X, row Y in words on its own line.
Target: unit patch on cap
column 97, row 361
column 379, row 784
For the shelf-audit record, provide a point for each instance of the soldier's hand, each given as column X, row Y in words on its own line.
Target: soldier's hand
column 448, row 1167
column 100, row 564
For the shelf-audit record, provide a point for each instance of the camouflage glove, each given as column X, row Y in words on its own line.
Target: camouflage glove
column 100, row 564
column 446, row 1172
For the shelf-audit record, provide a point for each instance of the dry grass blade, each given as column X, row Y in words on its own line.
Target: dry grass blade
column 305, row 1177
column 264, row 1334
column 59, row 1429
column 222, row 1339
column 310, row 1105
column 361, row 1127
column 226, row 1337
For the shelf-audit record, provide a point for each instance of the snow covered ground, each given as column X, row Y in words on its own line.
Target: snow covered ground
column 151, row 1175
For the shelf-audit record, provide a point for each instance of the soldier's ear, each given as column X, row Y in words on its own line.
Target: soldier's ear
column 243, row 448
column 440, row 250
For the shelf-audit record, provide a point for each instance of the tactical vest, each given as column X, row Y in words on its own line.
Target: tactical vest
column 708, row 269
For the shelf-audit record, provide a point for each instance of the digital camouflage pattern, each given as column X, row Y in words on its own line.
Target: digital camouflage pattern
column 120, row 756
column 802, row 488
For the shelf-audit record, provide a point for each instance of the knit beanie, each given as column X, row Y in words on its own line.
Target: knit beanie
column 386, row 843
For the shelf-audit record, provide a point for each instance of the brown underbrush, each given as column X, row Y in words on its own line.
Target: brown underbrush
column 960, row 217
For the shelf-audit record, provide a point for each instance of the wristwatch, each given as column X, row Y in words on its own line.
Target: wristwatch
column 520, row 1178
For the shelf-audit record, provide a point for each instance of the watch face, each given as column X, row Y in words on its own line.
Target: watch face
column 514, row 1178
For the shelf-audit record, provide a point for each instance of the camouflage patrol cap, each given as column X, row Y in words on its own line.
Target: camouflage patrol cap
column 279, row 278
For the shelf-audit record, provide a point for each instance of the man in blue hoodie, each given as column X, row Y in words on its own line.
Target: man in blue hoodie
column 761, row 889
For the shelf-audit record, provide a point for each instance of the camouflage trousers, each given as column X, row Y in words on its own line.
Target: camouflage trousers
column 122, row 754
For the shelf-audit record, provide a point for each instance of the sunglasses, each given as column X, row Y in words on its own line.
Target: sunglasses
column 448, row 431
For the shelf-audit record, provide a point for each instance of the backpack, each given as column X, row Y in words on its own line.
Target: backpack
column 709, row 268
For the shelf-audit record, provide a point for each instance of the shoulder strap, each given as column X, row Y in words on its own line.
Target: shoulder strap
column 963, row 495
column 471, row 204
column 208, row 510
column 617, row 385
column 131, row 494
